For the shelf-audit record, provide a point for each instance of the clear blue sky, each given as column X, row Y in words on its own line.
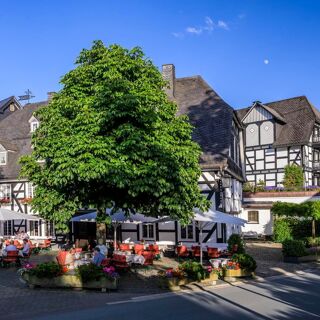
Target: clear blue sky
column 246, row 50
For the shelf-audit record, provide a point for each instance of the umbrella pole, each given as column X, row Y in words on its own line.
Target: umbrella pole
column 201, row 244
column 115, row 236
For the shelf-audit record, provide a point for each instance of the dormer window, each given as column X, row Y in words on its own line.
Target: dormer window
column 3, row 158
column 34, row 124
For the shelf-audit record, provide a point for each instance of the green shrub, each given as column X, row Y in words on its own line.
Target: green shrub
column 46, row 270
column 193, row 269
column 293, row 248
column 248, row 187
column 90, row 272
column 281, row 230
column 235, row 239
column 293, row 177
column 260, row 187
column 312, row 242
column 245, row 261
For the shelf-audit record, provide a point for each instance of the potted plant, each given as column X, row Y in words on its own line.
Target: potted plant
column 240, row 265
column 235, row 244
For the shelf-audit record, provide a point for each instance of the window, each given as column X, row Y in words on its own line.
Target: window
column 34, row 228
column 30, row 190
column 3, row 157
column 49, row 229
column 253, row 216
column 5, row 192
column 148, row 231
column 187, row 232
column 34, row 126
column 7, row 228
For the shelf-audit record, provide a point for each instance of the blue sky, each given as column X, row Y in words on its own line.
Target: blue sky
column 246, row 50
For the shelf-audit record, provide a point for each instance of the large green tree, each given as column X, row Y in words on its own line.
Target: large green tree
column 111, row 138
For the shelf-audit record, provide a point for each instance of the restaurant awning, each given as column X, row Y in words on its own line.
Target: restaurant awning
column 6, row 214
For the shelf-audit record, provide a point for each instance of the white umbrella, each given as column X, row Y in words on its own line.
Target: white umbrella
column 116, row 219
column 6, row 215
column 203, row 219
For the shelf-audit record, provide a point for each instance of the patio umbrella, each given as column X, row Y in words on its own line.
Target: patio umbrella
column 116, row 219
column 203, row 219
column 6, row 215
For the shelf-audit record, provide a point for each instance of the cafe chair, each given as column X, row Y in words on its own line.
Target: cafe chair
column 182, row 252
column 213, row 252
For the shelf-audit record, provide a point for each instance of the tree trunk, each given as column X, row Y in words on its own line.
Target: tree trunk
column 101, row 231
column 313, row 228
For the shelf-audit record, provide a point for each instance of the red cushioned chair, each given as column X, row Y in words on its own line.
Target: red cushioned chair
column 124, row 247
column 148, row 256
column 11, row 257
column 61, row 259
column 46, row 244
column 120, row 262
column 154, row 248
column 213, row 252
column 195, row 251
column 138, row 248
column 182, row 252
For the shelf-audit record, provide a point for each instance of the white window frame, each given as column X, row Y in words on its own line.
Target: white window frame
column 34, row 228
column 5, row 191
column 5, row 153
column 148, row 237
column 8, row 226
column 187, row 238
column 253, row 221
column 30, row 190
column 34, row 125
column 49, row 229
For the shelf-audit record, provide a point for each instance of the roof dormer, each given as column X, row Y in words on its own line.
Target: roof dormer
column 34, row 124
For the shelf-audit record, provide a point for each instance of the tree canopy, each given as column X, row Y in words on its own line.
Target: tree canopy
column 111, row 138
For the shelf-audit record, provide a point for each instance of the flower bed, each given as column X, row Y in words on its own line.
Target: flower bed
column 186, row 273
column 49, row 275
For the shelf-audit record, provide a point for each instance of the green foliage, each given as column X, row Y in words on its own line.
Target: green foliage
column 293, row 177
column 235, row 239
column 193, row 269
column 281, row 230
column 248, row 187
column 312, row 242
column 111, row 138
column 90, row 272
column 245, row 261
column 293, row 248
column 46, row 270
column 260, row 187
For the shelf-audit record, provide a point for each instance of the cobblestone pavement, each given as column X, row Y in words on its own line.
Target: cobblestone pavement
column 270, row 262
column 18, row 301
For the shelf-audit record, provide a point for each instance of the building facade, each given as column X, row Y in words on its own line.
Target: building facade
column 277, row 134
column 17, row 124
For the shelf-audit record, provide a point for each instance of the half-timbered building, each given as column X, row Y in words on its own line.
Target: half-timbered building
column 277, row 134
column 17, row 124
column 219, row 133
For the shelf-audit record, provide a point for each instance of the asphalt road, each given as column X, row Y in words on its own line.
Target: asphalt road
column 282, row 297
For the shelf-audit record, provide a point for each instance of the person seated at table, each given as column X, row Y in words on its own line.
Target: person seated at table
column 24, row 235
column 68, row 245
column 102, row 247
column 91, row 244
column 26, row 248
column 11, row 247
column 97, row 257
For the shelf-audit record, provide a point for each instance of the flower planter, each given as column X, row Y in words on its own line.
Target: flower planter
column 302, row 259
column 232, row 275
column 174, row 284
column 69, row 281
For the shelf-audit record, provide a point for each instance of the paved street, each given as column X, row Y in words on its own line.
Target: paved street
column 282, row 297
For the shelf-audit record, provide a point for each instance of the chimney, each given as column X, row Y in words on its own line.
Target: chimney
column 50, row 95
column 169, row 74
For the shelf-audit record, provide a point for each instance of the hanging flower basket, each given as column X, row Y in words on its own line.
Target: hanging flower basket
column 26, row 200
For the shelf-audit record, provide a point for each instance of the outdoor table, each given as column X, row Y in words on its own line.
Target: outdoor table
column 131, row 258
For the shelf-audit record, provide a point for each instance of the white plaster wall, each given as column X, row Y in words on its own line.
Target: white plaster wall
column 265, row 222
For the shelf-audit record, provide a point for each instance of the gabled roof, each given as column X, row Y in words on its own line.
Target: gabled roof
column 15, row 135
column 299, row 116
column 212, row 119
column 274, row 113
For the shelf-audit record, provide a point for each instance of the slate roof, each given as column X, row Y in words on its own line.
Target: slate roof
column 299, row 116
column 4, row 104
column 15, row 136
column 212, row 118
